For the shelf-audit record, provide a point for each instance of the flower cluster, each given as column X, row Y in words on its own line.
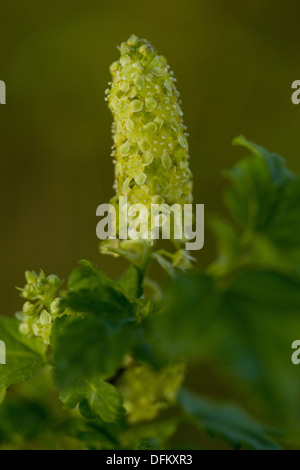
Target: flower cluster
column 150, row 142
column 146, row 392
column 41, row 306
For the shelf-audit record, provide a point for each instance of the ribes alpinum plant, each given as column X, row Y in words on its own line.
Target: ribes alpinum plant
column 99, row 363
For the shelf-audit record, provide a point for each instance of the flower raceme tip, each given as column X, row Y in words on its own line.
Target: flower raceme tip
column 150, row 140
column 150, row 152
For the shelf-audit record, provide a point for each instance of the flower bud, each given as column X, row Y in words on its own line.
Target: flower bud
column 31, row 277
column 54, row 307
column 28, row 308
column 53, row 280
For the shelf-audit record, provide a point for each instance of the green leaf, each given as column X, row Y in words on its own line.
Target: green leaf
column 252, row 196
column 246, row 322
column 97, row 343
column 87, row 275
column 24, row 356
column 59, row 326
column 264, row 196
column 228, row 244
column 95, row 398
column 228, row 422
column 275, row 163
column 261, row 309
column 90, row 346
column 263, row 293
column 284, row 225
column 90, row 291
column 132, row 283
column 94, row 434
column 23, row 419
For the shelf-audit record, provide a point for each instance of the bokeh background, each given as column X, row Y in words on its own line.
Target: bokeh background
column 235, row 62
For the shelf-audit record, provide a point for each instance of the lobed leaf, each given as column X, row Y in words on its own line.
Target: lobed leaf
column 24, row 356
column 228, row 422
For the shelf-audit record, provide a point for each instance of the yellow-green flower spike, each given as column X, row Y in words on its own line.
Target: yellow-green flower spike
column 150, row 141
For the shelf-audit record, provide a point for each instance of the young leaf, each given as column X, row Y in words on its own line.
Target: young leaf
column 95, row 398
column 90, row 291
column 132, row 283
column 264, row 196
column 253, row 195
column 276, row 164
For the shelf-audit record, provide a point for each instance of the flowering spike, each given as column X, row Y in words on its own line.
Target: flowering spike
column 150, row 145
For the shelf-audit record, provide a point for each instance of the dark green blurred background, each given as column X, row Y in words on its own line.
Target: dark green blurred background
column 234, row 60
